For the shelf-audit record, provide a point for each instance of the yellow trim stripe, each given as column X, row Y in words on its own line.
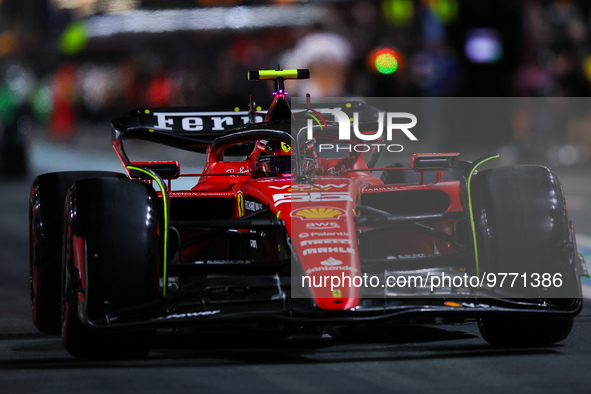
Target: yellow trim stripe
column 316, row 119
column 472, row 212
column 165, row 209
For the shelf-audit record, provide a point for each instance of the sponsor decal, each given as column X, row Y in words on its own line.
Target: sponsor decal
column 241, row 170
column 190, row 314
column 331, row 261
column 199, row 121
column 317, row 213
column 285, row 147
column 305, row 187
column 377, row 189
column 252, row 206
column 325, row 242
column 311, row 197
column 325, row 268
column 334, row 171
column 322, row 225
column 333, row 249
column 221, row 262
column 240, row 201
column 324, row 234
column 201, row 194
column 262, row 145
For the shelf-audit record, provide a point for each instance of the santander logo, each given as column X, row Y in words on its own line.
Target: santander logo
column 331, row 261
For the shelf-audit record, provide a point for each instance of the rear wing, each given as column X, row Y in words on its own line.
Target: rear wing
column 203, row 123
column 191, row 129
column 195, row 128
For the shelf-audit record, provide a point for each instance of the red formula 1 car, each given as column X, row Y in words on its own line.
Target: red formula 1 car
column 278, row 233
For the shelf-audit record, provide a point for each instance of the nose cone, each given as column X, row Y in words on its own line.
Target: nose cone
column 322, row 229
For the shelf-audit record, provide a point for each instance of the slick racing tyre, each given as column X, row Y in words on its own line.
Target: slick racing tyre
column 522, row 227
column 111, row 263
column 46, row 224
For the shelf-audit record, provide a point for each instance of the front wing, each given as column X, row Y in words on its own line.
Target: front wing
column 289, row 312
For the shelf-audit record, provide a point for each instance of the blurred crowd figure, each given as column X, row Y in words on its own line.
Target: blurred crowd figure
column 209, row 69
column 328, row 57
column 16, row 122
column 62, row 121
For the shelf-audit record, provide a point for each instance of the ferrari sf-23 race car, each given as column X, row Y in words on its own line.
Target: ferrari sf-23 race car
column 279, row 235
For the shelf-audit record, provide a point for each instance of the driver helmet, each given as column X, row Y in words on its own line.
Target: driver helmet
column 274, row 159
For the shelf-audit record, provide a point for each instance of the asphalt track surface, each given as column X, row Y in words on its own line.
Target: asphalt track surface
column 425, row 358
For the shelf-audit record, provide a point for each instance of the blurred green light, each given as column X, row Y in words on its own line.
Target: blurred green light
column 74, row 38
column 386, row 62
column 8, row 104
column 444, row 10
column 398, row 12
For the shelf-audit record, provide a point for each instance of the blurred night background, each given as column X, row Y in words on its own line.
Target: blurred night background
column 67, row 66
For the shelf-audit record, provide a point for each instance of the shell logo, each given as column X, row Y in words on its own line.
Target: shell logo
column 318, row 213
